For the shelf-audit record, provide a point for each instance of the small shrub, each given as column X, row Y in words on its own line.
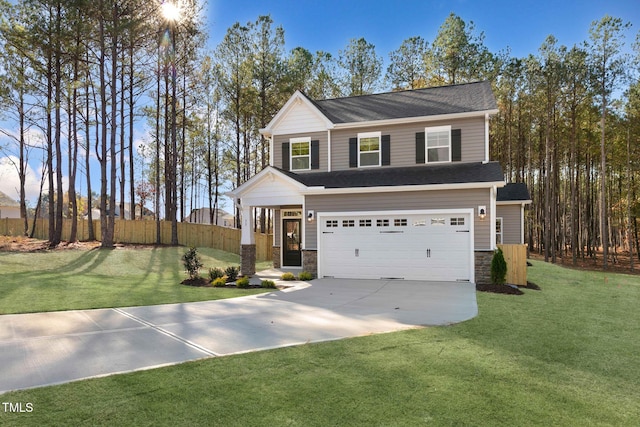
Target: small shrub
column 192, row 263
column 232, row 273
column 215, row 273
column 288, row 276
column 219, row 282
column 305, row 276
column 498, row 268
column 243, row 283
column 269, row 284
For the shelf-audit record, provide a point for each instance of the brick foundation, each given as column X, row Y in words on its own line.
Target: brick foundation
column 248, row 260
column 310, row 262
column 276, row 257
column 483, row 267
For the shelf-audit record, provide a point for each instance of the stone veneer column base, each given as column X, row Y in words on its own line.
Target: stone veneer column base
column 248, row 260
column 483, row 267
column 276, row 257
column 310, row 262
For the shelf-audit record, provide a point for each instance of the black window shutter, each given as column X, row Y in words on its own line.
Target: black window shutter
column 420, row 158
column 353, row 152
column 315, row 154
column 386, row 150
column 456, row 145
column 285, row 156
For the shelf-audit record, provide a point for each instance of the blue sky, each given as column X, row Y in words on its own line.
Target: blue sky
column 329, row 24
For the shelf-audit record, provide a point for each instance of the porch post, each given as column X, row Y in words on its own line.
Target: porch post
column 247, row 243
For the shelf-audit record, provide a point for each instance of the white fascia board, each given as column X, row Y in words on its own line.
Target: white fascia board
column 514, row 202
column 405, row 120
column 310, row 191
column 271, row 128
column 266, row 173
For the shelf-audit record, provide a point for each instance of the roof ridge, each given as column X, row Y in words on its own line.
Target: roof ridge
column 338, row 98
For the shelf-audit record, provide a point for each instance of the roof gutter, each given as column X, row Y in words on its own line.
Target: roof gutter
column 406, row 120
column 311, row 191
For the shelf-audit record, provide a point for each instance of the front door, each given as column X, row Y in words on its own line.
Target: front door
column 292, row 256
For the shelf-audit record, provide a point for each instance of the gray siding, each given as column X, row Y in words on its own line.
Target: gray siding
column 413, row 200
column 511, row 223
column 320, row 136
column 403, row 141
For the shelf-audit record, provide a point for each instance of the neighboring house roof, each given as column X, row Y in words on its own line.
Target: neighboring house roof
column 450, row 173
column 454, row 99
column 513, row 192
column 7, row 201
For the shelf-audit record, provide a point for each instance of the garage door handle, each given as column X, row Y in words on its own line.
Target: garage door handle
column 327, row 232
column 462, row 231
column 428, row 253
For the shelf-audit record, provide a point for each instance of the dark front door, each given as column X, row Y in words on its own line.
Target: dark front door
column 292, row 256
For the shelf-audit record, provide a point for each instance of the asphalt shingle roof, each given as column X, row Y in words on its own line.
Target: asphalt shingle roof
column 516, row 191
column 450, row 173
column 7, row 201
column 462, row 98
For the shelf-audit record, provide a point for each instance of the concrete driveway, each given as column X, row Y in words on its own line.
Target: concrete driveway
column 51, row 348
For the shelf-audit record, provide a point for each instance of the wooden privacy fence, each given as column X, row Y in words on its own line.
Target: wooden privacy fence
column 144, row 232
column 516, row 259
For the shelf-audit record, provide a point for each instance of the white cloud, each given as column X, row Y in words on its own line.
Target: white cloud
column 10, row 181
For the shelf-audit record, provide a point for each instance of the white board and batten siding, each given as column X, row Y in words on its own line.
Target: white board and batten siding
column 432, row 245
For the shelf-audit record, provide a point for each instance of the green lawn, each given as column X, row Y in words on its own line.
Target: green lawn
column 568, row 355
column 79, row 279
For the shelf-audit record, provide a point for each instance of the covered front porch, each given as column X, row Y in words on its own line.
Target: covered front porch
column 273, row 190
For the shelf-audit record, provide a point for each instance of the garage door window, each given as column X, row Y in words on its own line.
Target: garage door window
column 400, row 222
column 437, row 221
column 348, row 223
column 457, row 221
column 332, row 223
column 365, row 223
column 382, row 223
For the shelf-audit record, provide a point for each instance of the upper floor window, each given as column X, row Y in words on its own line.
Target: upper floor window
column 369, row 149
column 438, row 144
column 300, row 153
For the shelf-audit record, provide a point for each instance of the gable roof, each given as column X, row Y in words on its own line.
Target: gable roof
column 7, row 201
column 450, row 173
column 513, row 192
column 453, row 99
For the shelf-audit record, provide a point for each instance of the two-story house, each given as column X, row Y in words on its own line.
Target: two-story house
column 390, row 185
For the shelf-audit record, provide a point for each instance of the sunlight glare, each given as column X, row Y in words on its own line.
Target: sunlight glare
column 170, row 11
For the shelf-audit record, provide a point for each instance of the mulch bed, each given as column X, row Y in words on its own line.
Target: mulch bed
column 506, row 289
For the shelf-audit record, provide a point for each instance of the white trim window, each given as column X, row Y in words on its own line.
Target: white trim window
column 300, row 153
column 369, row 149
column 438, row 144
column 499, row 230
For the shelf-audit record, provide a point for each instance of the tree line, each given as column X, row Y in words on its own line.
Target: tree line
column 88, row 75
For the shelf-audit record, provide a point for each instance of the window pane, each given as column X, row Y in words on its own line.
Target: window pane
column 438, row 139
column 300, row 163
column 369, row 159
column 438, row 154
column 369, row 144
column 300, row 149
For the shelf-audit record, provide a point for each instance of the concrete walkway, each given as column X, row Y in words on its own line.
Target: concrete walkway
column 52, row 348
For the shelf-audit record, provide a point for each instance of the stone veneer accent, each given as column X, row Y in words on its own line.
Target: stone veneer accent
column 310, row 262
column 483, row 267
column 248, row 260
column 276, row 257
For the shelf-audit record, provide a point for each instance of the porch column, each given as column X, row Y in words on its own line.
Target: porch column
column 247, row 243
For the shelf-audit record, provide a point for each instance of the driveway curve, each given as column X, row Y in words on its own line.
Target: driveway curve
column 51, row 348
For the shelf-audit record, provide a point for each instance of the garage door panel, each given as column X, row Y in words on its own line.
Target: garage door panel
column 411, row 246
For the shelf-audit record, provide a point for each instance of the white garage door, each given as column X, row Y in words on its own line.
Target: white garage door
column 413, row 246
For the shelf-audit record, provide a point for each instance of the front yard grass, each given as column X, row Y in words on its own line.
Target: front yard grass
column 568, row 355
column 100, row 278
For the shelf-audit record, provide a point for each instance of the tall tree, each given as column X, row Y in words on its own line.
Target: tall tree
column 406, row 70
column 361, row 66
column 457, row 54
column 607, row 66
